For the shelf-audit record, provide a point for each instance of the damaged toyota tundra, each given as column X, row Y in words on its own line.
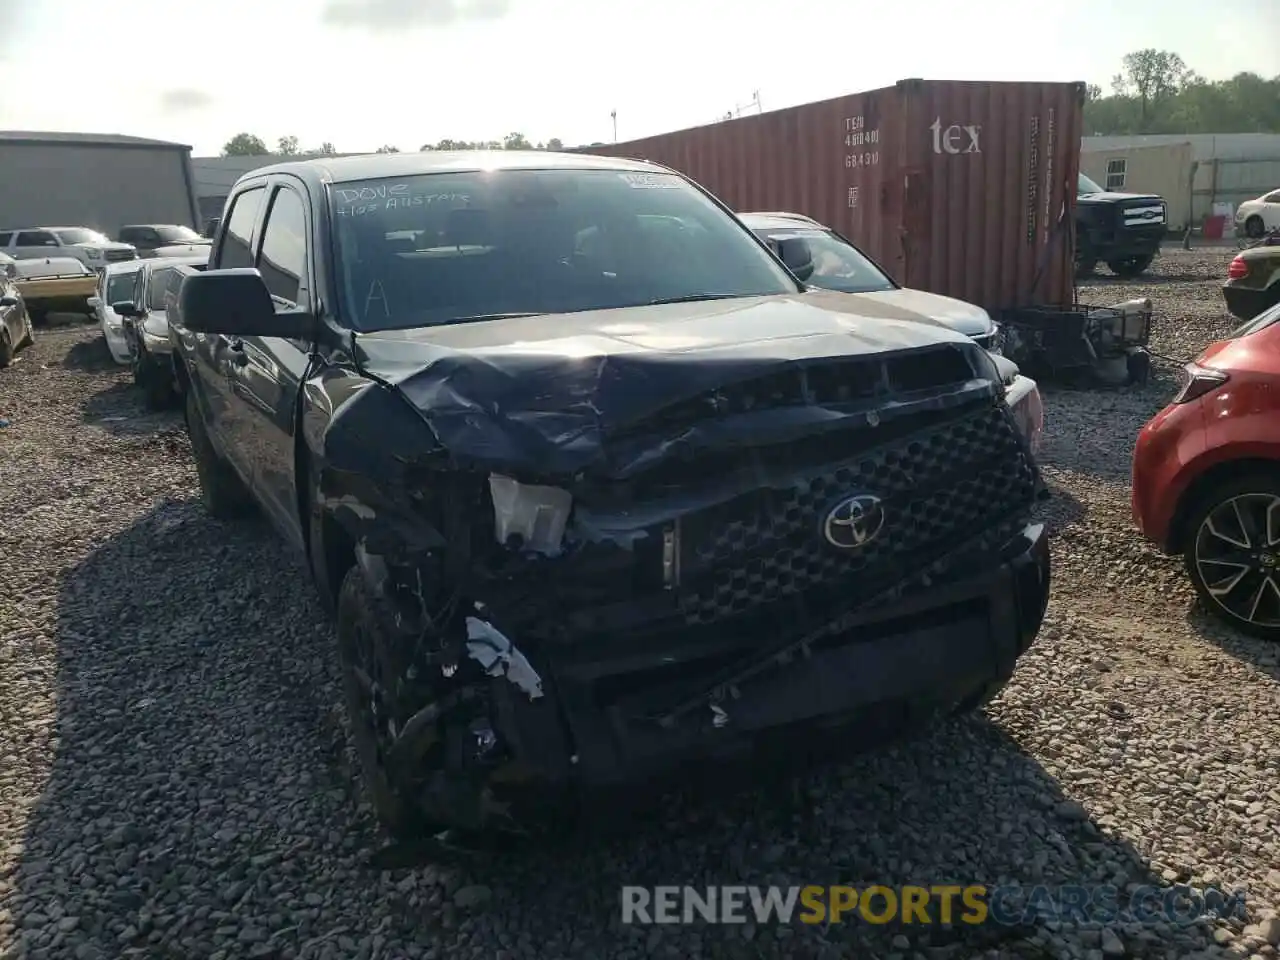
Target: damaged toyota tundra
column 595, row 487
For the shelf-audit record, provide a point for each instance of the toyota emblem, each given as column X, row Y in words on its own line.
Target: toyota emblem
column 853, row 522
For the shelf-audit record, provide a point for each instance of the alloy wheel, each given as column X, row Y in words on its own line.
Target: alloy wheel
column 1237, row 555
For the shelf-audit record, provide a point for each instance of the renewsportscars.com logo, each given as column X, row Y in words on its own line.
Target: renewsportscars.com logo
column 972, row 904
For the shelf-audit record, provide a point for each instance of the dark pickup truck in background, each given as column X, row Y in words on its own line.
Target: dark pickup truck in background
column 1123, row 230
column 593, row 484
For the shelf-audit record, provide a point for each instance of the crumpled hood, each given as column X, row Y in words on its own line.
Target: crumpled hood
column 546, row 392
column 919, row 306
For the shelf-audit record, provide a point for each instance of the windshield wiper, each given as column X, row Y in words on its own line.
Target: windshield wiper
column 490, row 316
column 694, row 298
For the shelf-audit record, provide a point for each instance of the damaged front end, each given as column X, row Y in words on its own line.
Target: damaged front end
column 587, row 599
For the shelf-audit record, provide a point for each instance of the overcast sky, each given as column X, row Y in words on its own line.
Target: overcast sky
column 361, row 73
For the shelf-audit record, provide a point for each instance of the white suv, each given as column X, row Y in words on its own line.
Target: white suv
column 90, row 247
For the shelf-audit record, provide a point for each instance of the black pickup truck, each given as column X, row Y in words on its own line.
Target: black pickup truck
column 594, row 485
column 1123, row 230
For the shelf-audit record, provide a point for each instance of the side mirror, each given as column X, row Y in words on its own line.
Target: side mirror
column 796, row 254
column 126, row 308
column 236, row 303
column 8, row 301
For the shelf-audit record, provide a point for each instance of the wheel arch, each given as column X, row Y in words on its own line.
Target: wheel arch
column 1204, row 483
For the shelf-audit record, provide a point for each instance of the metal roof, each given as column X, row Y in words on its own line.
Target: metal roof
column 348, row 169
column 32, row 137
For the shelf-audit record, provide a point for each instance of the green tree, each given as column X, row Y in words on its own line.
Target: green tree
column 325, row 149
column 516, row 141
column 287, row 146
column 387, row 148
column 555, row 144
column 245, row 145
column 1157, row 93
column 1153, row 78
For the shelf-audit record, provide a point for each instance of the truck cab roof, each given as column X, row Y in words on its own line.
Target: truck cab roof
column 320, row 170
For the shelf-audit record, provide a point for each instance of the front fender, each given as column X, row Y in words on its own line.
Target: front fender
column 370, row 454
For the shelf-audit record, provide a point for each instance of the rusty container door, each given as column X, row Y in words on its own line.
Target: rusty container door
column 947, row 221
column 990, row 173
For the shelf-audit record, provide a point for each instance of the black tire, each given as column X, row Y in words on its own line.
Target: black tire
column 980, row 698
column 224, row 496
column 1254, row 228
column 1131, row 266
column 28, row 337
column 368, row 643
column 1239, row 586
column 153, row 377
column 6, row 347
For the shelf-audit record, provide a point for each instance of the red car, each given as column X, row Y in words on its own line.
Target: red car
column 1206, row 476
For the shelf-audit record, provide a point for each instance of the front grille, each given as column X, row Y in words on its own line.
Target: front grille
column 1142, row 216
column 939, row 487
column 827, row 382
column 118, row 255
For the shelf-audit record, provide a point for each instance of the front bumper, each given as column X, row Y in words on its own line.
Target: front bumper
column 1123, row 245
column 951, row 645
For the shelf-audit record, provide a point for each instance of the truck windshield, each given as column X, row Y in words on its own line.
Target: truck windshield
column 177, row 234
column 449, row 247
column 1086, row 186
column 80, row 235
column 837, row 265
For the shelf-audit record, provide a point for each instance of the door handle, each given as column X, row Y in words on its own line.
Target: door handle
column 238, row 357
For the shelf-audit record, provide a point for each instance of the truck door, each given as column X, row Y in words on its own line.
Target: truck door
column 214, row 376
column 268, row 371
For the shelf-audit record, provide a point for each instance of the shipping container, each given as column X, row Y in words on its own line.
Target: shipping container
column 960, row 188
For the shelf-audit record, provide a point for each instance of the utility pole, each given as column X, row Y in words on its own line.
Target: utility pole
column 614, row 116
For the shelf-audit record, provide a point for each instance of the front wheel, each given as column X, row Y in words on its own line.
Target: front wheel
column 1131, row 266
column 157, row 390
column 373, row 668
column 1233, row 553
column 28, row 335
column 6, row 346
column 224, row 496
column 1254, row 228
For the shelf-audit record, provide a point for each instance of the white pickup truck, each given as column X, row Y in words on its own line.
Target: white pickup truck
column 90, row 247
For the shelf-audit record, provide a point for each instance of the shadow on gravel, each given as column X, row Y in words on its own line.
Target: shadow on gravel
column 1062, row 509
column 119, row 409
column 200, row 804
column 90, row 356
column 1263, row 654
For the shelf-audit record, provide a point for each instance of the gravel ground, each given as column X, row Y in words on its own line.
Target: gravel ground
column 175, row 779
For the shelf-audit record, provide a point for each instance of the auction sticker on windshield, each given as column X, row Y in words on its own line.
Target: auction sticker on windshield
column 650, row 181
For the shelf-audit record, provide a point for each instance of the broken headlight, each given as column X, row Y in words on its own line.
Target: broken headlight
column 529, row 517
column 1027, row 407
